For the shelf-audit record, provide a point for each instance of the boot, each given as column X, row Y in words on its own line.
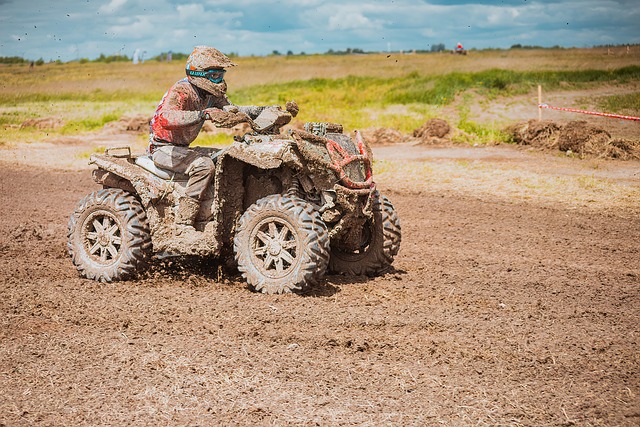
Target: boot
column 188, row 208
column 192, row 242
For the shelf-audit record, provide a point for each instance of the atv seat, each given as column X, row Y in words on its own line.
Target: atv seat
column 146, row 163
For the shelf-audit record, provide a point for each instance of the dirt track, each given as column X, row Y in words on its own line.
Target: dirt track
column 498, row 313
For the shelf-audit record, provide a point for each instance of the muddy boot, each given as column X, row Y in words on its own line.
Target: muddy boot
column 193, row 241
column 188, row 208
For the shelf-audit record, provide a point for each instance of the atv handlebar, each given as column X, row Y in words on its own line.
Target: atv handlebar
column 226, row 118
column 269, row 121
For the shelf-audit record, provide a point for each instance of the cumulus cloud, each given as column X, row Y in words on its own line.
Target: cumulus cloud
column 352, row 21
column 190, row 11
column 139, row 28
column 112, row 7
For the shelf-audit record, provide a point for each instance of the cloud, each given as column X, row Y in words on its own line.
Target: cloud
column 353, row 21
column 501, row 16
column 112, row 7
column 190, row 11
column 141, row 27
column 68, row 29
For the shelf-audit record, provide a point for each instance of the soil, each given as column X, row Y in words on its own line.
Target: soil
column 498, row 311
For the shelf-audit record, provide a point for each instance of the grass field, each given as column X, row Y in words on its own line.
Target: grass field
column 399, row 91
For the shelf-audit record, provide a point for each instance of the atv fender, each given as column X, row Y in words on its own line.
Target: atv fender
column 147, row 186
column 263, row 153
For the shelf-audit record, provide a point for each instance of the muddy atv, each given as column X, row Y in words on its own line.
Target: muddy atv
column 283, row 208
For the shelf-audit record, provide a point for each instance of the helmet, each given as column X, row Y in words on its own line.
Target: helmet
column 201, row 62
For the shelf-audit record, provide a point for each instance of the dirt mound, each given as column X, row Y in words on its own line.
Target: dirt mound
column 437, row 128
column 433, row 131
column 42, row 123
column 537, row 133
column 577, row 137
column 588, row 140
column 139, row 123
column 383, row 136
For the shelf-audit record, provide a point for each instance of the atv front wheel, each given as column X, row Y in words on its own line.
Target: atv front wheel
column 380, row 243
column 109, row 237
column 281, row 245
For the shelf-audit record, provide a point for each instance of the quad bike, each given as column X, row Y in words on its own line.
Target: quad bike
column 282, row 208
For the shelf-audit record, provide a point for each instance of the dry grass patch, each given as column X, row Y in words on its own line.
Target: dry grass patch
column 509, row 182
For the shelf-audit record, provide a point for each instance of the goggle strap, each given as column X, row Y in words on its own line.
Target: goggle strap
column 194, row 73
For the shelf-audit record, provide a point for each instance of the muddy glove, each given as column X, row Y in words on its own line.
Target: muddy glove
column 292, row 108
column 226, row 119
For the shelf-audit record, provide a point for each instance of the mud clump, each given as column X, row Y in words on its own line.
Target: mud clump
column 576, row 137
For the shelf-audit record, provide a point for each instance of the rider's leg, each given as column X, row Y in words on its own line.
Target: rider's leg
column 200, row 169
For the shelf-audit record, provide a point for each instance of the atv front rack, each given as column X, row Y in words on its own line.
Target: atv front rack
column 115, row 152
column 338, row 159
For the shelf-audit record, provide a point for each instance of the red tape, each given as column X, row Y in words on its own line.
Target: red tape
column 593, row 113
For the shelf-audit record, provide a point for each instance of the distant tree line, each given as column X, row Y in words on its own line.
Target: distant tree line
column 617, row 45
column 178, row 56
column 107, row 59
column 519, row 46
column 18, row 60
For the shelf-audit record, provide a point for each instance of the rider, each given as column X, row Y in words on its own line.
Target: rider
column 179, row 118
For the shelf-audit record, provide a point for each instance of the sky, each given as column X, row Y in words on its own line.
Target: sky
column 68, row 30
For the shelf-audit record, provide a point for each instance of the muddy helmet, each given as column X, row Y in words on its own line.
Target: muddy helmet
column 206, row 67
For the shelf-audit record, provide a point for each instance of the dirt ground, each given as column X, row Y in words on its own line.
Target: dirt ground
column 499, row 311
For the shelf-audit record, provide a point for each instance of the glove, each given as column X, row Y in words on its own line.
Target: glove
column 292, row 108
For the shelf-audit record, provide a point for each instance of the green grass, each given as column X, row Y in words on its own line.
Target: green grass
column 477, row 133
column 88, row 124
column 347, row 97
column 415, row 88
column 86, row 154
column 15, row 117
column 213, row 139
column 620, row 103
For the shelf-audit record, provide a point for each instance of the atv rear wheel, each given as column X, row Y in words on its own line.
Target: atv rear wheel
column 109, row 236
column 380, row 243
column 281, row 244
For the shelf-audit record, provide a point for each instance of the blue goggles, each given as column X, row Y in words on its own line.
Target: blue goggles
column 214, row 76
